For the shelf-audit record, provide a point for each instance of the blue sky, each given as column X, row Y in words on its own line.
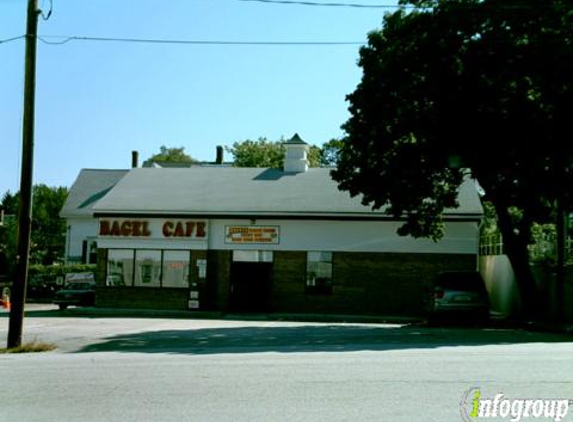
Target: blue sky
column 98, row 101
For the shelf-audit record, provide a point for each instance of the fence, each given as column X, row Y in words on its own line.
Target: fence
column 544, row 247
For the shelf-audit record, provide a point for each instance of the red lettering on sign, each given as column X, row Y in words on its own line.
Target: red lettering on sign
column 136, row 229
column 179, row 232
column 115, row 229
column 168, row 229
column 189, row 226
column 126, row 228
column 145, row 229
column 104, row 228
column 200, row 229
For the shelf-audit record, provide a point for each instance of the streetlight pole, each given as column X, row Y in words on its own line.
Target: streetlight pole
column 25, row 213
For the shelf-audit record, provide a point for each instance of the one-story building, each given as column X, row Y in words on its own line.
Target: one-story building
column 81, row 227
column 262, row 240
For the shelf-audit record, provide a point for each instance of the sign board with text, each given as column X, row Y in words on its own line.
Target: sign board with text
column 269, row 235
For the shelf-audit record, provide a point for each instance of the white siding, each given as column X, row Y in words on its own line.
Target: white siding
column 78, row 230
column 351, row 236
column 305, row 235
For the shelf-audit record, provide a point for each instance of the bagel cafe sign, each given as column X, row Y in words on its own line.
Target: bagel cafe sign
column 153, row 229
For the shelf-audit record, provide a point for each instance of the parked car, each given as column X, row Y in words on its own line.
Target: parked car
column 81, row 293
column 41, row 287
column 459, row 295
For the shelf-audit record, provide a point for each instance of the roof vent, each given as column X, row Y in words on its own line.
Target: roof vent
column 296, row 155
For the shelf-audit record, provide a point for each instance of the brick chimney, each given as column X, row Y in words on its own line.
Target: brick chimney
column 134, row 159
column 219, row 158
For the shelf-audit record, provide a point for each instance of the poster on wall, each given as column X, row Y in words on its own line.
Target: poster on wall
column 252, row 234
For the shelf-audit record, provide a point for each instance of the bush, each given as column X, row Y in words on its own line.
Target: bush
column 60, row 270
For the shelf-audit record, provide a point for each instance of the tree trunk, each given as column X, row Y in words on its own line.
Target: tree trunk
column 516, row 249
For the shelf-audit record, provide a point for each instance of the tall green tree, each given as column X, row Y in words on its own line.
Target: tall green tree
column 265, row 153
column 171, row 155
column 48, row 237
column 456, row 86
column 48, row 228
column 330, row 152
column 8, row 232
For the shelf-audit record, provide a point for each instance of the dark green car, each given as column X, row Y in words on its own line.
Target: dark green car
column 81, row 293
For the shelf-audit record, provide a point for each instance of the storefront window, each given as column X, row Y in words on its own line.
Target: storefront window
column 319, row 272
column 252, row 256
column 176, row 269
column 147, row 268
column 119, row 267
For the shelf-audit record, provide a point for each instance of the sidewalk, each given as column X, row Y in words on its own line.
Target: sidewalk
column 158, row 313
column 50, row 310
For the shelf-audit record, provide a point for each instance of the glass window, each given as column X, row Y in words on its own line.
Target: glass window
column 252, row 256
column 176, row 268
column 319, row 272
column 148, row 268
column 119, row 267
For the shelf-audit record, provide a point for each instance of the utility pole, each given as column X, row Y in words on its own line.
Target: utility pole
column 25, row 213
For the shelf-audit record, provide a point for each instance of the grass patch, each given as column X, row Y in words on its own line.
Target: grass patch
column 33, row 347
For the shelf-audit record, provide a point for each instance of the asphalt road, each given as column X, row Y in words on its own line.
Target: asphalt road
column 142, row 369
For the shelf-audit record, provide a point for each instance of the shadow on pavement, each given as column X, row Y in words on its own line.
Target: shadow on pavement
column 311, row 338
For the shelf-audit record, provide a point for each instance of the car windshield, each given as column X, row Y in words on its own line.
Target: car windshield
column 460, row 281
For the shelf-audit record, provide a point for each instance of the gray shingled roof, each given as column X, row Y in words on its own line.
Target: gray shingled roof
column 89, row 187
column 244, row 191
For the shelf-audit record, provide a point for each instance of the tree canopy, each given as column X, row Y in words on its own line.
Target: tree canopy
column 265, row 153
column 48, row 237
column 172, row 155
column 465, row 85
column 329, row 152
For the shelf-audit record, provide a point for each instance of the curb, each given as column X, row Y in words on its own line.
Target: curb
column 157, row 313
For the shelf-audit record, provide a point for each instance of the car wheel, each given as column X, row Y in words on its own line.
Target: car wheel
column 63, row 307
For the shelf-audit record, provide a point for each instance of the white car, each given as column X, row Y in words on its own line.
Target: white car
column 459, row 295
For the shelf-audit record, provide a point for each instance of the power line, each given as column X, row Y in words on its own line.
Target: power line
column 330, row 4
column 516, row 6
column 12, row 39
column 61, row 39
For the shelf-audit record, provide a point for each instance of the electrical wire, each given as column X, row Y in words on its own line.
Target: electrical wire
column 65, row 39
column 516, row 6
column 330, row 4
column 44, row 16
column 12, row 39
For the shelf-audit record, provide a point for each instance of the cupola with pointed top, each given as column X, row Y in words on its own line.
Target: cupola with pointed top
column 296, row 160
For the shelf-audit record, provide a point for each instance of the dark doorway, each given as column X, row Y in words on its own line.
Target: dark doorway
column 250, row 286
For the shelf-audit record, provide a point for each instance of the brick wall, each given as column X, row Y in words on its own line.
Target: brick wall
column 218, row 284
column 141, row 298
column 391, row 283
column 363, row 283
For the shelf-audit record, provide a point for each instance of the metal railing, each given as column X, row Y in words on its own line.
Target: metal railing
column 544, row 247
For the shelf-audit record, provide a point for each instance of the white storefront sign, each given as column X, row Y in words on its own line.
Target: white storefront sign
column 252, row 235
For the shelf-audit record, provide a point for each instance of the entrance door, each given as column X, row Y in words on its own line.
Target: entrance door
column 250, row 284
